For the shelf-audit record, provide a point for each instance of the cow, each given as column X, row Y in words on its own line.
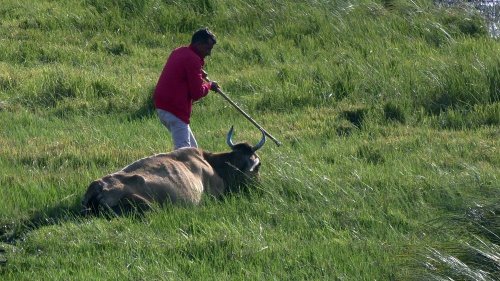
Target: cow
column 180, row 177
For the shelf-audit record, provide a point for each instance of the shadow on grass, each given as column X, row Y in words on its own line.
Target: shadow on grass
column 12, row 231
column 15, row 231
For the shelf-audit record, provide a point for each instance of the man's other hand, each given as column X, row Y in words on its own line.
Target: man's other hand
column 214, row 87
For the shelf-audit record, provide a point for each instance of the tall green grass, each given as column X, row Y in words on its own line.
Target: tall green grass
column 388, row 110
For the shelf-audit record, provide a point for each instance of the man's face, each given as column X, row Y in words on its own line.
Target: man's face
column 206, row 48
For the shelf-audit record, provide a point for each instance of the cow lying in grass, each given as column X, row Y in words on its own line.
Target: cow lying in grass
column 181, row 176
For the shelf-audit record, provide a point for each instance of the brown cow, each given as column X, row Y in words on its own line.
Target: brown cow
column 181, row 176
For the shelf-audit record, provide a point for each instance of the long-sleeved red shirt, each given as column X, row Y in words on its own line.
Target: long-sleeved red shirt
column 181, row 83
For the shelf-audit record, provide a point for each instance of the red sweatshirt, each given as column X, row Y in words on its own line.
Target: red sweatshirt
column 181, row 83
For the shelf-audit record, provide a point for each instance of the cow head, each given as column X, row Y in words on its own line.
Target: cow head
column 241, row 165
column 244, row 157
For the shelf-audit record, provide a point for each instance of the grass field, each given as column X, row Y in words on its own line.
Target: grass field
column 388, row 112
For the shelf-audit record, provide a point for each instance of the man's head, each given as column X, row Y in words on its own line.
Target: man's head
column 203, row 41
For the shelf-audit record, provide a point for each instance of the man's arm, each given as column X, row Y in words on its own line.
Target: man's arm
column 198, row 88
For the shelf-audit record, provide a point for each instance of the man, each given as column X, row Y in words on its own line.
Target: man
column 180, row 84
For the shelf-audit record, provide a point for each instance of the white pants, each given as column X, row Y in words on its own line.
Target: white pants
column 182, row 136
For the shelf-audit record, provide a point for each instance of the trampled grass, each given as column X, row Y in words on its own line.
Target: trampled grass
column 388, row 112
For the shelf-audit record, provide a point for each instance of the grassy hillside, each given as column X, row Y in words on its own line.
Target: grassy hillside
column 389, row 113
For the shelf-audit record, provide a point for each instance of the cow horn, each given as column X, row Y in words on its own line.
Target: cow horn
column 261, row 142
column 229, row 139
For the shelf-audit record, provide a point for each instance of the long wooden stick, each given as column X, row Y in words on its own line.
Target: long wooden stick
column 278, row 143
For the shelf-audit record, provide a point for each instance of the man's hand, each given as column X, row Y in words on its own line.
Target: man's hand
column 214, row 87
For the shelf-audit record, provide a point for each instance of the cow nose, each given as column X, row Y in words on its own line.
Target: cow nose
column 255, row 166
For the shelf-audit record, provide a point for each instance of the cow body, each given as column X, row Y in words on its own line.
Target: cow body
column 181, row 176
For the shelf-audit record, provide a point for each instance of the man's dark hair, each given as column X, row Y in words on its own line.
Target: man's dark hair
column 202, row 36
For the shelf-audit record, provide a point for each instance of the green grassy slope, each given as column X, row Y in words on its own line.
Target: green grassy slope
column 388, row 111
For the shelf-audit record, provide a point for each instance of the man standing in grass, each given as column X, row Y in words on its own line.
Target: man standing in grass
column 180, row 84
